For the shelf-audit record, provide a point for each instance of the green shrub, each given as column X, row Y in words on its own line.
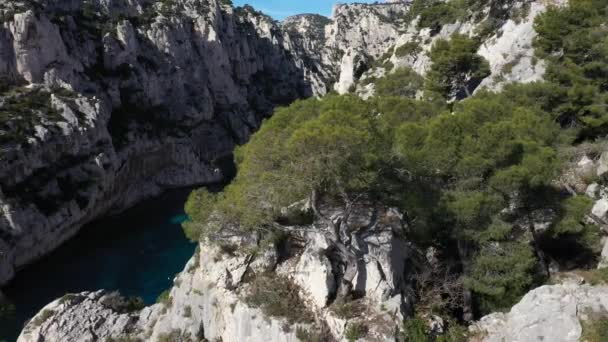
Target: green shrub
column 455, row 66
column 403, row 82
column 277, row 296
column 347, row 308
column 306, row 335
column 415, row 330
column 165, row 298
column 455, row 333
column 355, row 331
column 21, row 111
column 435, row 13
column 43, row 317
column 311, row 146
column 408, row 49
column 501, row 275
column 571, row 39
column 595, row 329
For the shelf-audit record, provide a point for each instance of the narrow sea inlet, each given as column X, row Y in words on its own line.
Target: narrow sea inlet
column 137, row 253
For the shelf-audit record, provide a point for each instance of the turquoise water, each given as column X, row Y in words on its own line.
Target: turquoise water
column 137, row 253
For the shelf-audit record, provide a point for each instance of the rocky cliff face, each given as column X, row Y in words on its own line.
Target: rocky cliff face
column 135, row 97
column 506, row 32
column 548, row 313
column 138, row 96
column 223, row 292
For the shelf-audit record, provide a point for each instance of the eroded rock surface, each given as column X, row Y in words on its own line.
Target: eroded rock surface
column 548, row 313
column 211, row 297
column 144, row 96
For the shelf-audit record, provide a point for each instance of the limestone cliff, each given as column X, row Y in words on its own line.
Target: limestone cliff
column 548, row 313
column 138, row 96
column 135, row 97
column 224, row 293
column 132, row 97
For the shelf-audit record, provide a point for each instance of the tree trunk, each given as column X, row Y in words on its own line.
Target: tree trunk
column 467, row 296
column 350, row 260
column 535, row 245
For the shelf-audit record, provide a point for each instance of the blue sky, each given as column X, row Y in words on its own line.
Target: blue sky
column 280, row 9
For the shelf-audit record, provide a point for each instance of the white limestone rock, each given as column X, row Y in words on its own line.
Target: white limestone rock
column 199, row 79
column 548, row 313
column 208, row 299
column 603, row 263
column 600, row 208
column 510, row 52
column 602, row 164
column 313, row 272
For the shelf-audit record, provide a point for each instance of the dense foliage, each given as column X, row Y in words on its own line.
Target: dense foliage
column 402, row 82
column 574, row 40
column 472, row 175
column 456, row 67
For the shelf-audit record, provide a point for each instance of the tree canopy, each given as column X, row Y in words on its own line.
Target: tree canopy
column 471, row 174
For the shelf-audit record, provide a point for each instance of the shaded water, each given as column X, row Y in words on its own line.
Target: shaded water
column 137, row 253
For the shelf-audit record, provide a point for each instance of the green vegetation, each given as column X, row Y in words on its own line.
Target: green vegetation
column 355, row 331
column 415, row 329
column 573, row 40
column 347, row 308
column 408, row 49
column 474, row 175
column 436, row 13
column 595, row 329
column 43, row 317
column 402, row 82
column 324, row 142
column 306, row 335
column 456, row 67
column 501, row 274
column 165, row 298
column 21, row 111
column 277, row 296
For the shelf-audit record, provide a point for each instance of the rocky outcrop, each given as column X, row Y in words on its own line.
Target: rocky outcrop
column 507, row 46
column 159, row 91
column 548, row 313
column 212, row 297
column 142, row 96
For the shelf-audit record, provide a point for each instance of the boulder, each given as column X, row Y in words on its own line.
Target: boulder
column 602, row 164
column 600, row 208
column 548, row 313
column 603, row 263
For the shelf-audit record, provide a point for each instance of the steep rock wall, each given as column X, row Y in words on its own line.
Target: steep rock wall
column 144, row 96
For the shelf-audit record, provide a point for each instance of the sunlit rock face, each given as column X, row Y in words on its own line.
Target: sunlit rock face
column 136, row 97
column 212, row 297
column 142, row 96
column 548, row 313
